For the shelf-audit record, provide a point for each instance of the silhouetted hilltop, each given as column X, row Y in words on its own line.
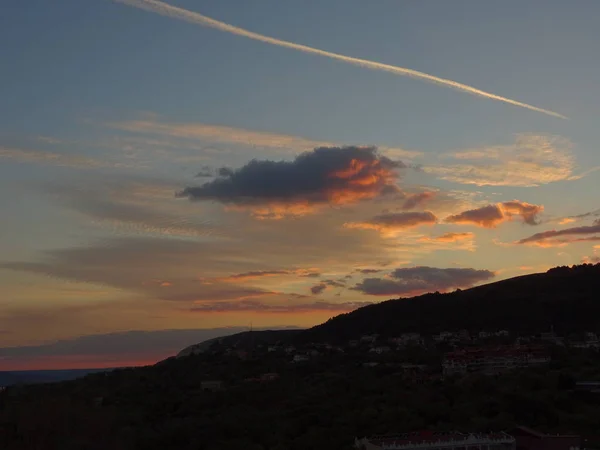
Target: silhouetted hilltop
column 566, row 298
column 245, row 340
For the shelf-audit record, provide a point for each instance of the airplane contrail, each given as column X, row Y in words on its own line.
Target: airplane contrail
column 196, row 18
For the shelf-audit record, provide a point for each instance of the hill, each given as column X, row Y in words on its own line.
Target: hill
column 565, row 298
column 243, row 341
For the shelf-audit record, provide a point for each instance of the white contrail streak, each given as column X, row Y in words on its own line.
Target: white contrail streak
column 196, row 18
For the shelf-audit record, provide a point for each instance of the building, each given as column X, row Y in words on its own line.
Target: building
column 492, row 360
column 380, row 350
column 300, row 358
column 429, row 440
column 528, row 439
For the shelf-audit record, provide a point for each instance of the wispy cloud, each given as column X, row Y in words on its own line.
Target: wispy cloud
column 56, row 159
column 532, row 160
column 199, row 19
column 565, row 235
column 453, row 241
column 261, row 274
column 134, row 208
column 290, row 308
column 238, row 136
column 392, row 223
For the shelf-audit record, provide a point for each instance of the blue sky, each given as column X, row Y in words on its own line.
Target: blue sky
column 108, row 110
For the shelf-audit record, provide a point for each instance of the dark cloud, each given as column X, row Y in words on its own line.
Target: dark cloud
column 527, row 211
column 488, row 216
column 418, row 280
column 414, row 200
column 550, row 234
column 311, row 275
column 368, row 271
column 393, row 222
column 255, row 306
column 595, row 213
column 318, row 288
column 335, row 283
column 326, row 175
column 449, row 237
column 205, row 172
column 259, row 274
column 491, row 215
column 225, row 172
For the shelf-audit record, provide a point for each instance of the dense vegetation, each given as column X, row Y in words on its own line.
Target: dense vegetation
column 320, row 405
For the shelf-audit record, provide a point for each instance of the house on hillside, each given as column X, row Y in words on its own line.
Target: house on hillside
column 299, row 357
column 380, row 350
column 368, row 338
column 408, row 339
column 492, row 360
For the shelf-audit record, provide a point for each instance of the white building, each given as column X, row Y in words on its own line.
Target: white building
column 380, row 350
column 427, row 440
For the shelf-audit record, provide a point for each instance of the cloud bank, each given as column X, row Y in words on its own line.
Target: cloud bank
column 418, row 280
column 199, row 19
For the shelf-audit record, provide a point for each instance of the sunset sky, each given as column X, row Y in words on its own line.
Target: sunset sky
column 207, row 164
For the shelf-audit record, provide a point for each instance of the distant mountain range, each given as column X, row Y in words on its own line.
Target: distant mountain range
column 11, row 378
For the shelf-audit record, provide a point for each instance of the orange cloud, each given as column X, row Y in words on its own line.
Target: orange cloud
column 566, row 221
column 491, row 216
column 257, row 274
column 449, row 237
column 392, row 223
column 414, row 200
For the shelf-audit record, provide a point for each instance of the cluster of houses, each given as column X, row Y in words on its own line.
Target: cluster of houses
column 493, row 360
column 522, row 438
column 486, row 352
